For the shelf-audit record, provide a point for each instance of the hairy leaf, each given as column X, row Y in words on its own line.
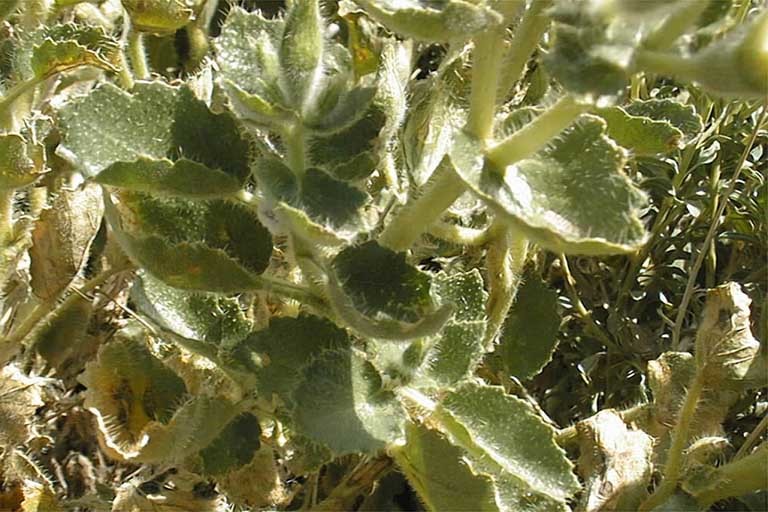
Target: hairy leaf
column 20, row 162
column 68, row 46
column 161, row 16
column 571, row 197
column 341, row 404
column 234, row 447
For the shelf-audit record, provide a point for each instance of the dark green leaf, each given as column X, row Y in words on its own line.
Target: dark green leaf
column 234, row 447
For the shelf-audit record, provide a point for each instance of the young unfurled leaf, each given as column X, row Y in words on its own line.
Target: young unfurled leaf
column 529, row 334
column 506, row 435
column 161, row 16
column 278, row 352
column 205, row 245
column 440, row 475
column 205, row 317
column 234, row 447
column 64, row 47
column 301, row 52
column 341, row 404
column 432, row 21
column 652, row 126
column 21, row 163
column 62, row 239
column 615, row 462
column 571, row 197
column 175, row 126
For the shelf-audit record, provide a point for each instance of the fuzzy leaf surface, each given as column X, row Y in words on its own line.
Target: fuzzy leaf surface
column 18, row 166
column 572, row 196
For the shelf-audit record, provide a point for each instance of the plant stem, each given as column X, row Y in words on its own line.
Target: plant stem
column 533, row 136
column 674, row 462
column 438, row 194
column 289, row 290
column 295, row 150
column 668, row 64
column 751, row 440
column 138, row 54
column 505, row 261
column 485, row 78
column 359, row 481
column 459, row 235
column 737, row 478
column 675, row 25
column 709, row 239
column 6, row 216
column 527, row 36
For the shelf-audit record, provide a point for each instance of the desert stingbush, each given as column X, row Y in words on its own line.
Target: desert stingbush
column 283, row 256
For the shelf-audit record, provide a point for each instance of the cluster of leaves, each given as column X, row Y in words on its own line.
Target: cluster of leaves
column 320, row 256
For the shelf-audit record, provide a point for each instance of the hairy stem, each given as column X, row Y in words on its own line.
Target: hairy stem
column 295, row 150
column 359, row 481
column 737, row 478
column 533, row 136
column 505, row 261
column 14, row 93
column 527, row 36
column 680, row 433
column 438, row 194
column 6, row 216
column 485, row 78
column 138, row 54
column 675, row 25
column 459, row 235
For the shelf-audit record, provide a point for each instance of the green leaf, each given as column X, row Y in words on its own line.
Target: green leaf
column 183, row 178
column 301, row 52
column 278, row 352
column 340, row 403
column 380, row 282
column 326, row 200
column 652, row 126
column 572, row 196
column 529, row 334
column 20, row 163
column 205, row 317
column 63, row 339
column 432, row 21
column 64, row 47
column 247, row 53
column 504, row 433
column 341, row 113
column 229, row 228
column 453, row 354
column 176, row 127
column 161, row 16
column 234, row 447
column 440, row 475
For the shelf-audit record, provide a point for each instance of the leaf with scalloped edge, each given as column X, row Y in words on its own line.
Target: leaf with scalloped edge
column 284, row 347
column 432, row 21
column 440, row 475
column 340, row 403
column 21, row 163
column 529, row 333
column 325, row 200
column 507, row 438
column 161, row 16
column 157, row 137
column 128, row 385
column 206, row 317
column 67, row 46
column 572, row 196
column 190, row 243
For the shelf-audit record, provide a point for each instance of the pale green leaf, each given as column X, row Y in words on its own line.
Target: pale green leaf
column 529, row 333
column 340, row 403
column 278, row 352
column 19, row 162
column 173, row 125
column 440, row 475
column 504, row 432
column 234, row 447
column 432, row 21
column 206, row 317
column 572, row 196
column 301, row 52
